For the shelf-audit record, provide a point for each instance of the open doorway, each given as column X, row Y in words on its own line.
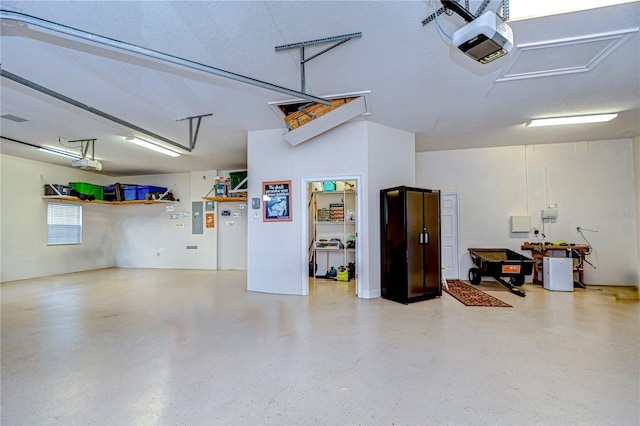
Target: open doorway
column 331, row 249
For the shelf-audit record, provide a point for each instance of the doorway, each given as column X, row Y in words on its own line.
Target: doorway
column 449, row 235
column 330, row 235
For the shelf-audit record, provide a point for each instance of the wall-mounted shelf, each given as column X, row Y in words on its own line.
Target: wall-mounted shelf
column 242, row 199
column 327, row 222
column 77, row 200
column 330, row 234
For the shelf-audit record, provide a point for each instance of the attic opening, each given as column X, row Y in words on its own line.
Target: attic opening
column 298, row 114
column 305, row 120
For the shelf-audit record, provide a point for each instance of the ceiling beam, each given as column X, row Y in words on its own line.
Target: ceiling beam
column 96, row 38
column 6, row 74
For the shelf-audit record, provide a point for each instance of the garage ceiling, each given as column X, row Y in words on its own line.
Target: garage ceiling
column 567, row 64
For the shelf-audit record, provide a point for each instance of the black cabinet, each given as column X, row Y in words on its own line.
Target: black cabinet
column 410, row 244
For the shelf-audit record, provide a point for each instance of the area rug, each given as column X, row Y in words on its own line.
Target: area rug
column 471, row 296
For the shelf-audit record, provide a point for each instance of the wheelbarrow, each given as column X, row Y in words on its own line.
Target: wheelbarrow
column 506, row 266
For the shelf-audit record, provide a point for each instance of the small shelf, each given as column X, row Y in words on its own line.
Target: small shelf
column 78, row 200
column 345, row 191
column 336, row 249
column 327, row 222
column 227, row 199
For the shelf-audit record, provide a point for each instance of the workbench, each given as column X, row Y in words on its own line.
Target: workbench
column 540, row 250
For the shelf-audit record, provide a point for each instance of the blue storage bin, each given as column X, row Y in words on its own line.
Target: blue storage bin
column 329, row 186
column 143, row 190
column 130, row 192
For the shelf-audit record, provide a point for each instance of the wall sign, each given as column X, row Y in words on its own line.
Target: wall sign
column 210, row 221
column 277, row 201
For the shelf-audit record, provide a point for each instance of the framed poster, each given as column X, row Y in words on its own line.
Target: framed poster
column 276, row 198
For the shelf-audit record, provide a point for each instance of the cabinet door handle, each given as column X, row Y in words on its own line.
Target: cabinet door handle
column 420, row 238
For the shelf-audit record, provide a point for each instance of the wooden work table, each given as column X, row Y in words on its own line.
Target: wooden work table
column 540, row 250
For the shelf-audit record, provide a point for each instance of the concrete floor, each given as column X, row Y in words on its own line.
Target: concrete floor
column 130, row 346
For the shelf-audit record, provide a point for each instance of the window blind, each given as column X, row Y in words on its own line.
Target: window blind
column 64, row 224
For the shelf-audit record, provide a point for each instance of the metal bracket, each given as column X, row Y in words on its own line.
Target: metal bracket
column 338, row 40
column 431, row 17
column 193, row 136
column 84, row 147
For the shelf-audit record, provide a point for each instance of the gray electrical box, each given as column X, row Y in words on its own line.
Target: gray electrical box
column 551, row 212
column 197, row 219
column 520, row 223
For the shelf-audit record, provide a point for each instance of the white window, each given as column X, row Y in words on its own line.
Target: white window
column 64, row 224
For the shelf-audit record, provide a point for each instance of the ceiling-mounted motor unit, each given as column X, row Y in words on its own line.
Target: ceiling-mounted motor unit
column 87, row 164
column 484, row 39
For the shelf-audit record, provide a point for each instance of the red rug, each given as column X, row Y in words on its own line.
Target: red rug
column 471, row 296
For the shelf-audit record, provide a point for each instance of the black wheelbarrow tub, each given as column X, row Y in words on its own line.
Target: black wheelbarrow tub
column 500, row 263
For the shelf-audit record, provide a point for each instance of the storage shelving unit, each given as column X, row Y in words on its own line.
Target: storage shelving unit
column 77, row 200
column 240, row 198
column 71, row 199
column 336, row 223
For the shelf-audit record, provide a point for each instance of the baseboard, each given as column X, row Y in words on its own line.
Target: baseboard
column 371, row 294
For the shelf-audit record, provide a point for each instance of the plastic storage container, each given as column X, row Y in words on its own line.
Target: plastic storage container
column 115, row 192
column 235, row 178
column 329, row 186
column 88, row 189
column 221, row 186
column 130, row 192
column 143, row 190
column 62, row 189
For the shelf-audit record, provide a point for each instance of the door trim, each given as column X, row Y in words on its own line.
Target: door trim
column 304, row 279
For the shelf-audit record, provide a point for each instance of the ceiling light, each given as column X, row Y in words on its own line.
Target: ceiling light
column 60, row 153
column 579, row 119
column 152, row 146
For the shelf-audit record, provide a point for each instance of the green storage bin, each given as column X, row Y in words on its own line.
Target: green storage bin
column 235, row 178
column 88, row 189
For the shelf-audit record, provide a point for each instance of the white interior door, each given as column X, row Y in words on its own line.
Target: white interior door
column 449, row 235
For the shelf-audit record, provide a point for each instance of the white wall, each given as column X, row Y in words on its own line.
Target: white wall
column 147, row 236
column 636, row 173
column 391, row 163
column 232, row 233
column 135, row 236
column 380, row 156
column 23, row 225
column 274, row 249
column 592, row 183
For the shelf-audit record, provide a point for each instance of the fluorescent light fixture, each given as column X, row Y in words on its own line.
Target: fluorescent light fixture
column 60, row 153
column 152, row 146
column 579, row 119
